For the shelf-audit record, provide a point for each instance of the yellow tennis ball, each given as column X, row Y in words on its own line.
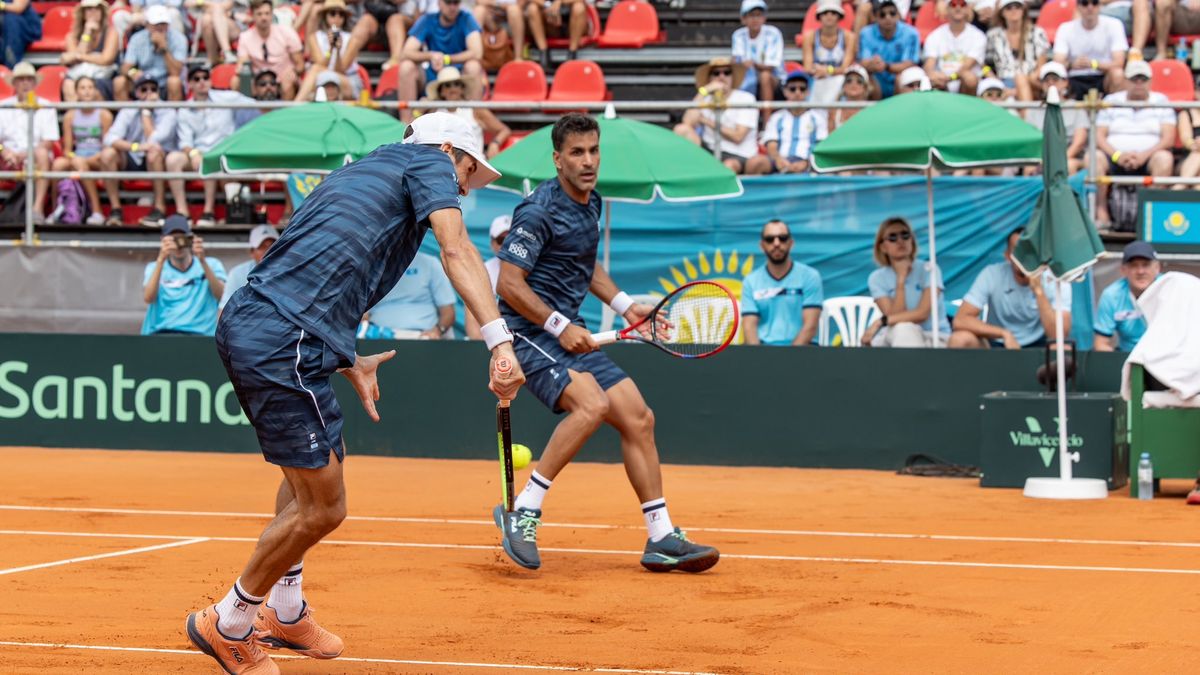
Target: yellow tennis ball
column 522, row 455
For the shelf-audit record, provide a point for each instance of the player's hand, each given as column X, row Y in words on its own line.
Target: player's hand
column 505, row 384
column 577, row 340
column 637, row 312
column 362, row 377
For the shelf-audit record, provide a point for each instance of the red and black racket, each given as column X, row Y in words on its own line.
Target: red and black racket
column 694, row 321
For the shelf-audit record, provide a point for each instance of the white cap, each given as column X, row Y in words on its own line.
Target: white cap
column 1138, row 68
column 1052, row 68
column 751, row 5
column 988, row 84
column 262, row 233
column 500, row 226
column 156, row 14
column 328, row 76
column 830, row 6
column 442, row 127
column 910, row 75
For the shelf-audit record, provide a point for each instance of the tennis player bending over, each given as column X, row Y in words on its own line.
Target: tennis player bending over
column 284, row 334
column 547, row 266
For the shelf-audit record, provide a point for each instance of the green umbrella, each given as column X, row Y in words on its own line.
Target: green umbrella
column 927, row 130
column 312, row 137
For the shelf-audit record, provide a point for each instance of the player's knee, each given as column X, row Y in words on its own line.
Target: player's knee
column 594, row 408
column 645, row 421
column 320, row 520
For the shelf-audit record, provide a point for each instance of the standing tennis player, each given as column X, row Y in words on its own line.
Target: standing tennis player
column 548, row 265
column 292, row 327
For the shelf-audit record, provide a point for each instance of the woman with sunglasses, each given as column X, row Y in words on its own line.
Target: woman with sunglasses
column 1017, row 49
column 91, row 50
column 855, row 87
column 900, row 288
column 828, row 51
column 327, row 50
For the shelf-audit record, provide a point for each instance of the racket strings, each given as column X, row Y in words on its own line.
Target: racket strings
column 699, row 318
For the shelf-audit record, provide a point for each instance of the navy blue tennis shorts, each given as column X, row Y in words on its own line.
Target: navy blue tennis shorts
column 545, row 363
column 281, row 376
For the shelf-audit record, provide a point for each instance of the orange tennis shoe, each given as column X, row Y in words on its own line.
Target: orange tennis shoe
column 236, row 657
column 303, row 636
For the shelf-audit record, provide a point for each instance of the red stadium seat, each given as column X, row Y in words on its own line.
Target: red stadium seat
column 389, row 80
column 589, row 38
column 1172, row 78
column 1053, row 14
column 520, row 81
column 579, row 81
column 365, row 77
column 56, row 25
column 631, row 23
column 6, row 90
column 222, row 75
column 50, row 88
column 513, row 138
column 927, row 19
column 811, row 23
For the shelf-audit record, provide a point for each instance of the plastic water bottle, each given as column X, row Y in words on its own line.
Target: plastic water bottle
column 1181, row 50
column 1145, row 477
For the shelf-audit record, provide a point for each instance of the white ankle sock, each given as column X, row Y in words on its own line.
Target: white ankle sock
column 235, row 614
column 658, row 521
column 533, row 494
column 287, row 598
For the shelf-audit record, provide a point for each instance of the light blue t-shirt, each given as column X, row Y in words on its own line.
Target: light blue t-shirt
column 1118, row 312
column 780, row 303
column 237, row 279
column 185, row 302
column 413, row 302
column 882, row 284
column 1013, row 306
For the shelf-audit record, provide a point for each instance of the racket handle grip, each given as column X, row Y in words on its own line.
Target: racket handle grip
column 503, row 369
column 608, row 337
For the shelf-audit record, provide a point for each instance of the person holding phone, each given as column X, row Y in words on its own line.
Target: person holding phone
column 183, row 285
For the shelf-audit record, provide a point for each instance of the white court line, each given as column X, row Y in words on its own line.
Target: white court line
column 113, row 554
column 353, row 659
column 598, row 551
column 593, row 526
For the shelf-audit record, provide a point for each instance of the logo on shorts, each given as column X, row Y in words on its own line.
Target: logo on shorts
column 312, row 441
column 554, row 373
column 518, row 250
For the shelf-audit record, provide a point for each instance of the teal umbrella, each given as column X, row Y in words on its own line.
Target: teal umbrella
column 313, row 137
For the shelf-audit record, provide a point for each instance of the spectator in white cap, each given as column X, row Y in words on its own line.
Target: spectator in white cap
column 889, row 46
column 760, row 47
column 496, row 233
column 330, row 86
column 954, row 51
column 158, row 53
column 1137, row 141
column 1093, row 48
column 1017, row 48
column 828, row 51
column 1053, row 75
column 991, row 89
column 14, row 134
column 261, row 238
column 855, row 87
column 912, row 79
column 454, row 137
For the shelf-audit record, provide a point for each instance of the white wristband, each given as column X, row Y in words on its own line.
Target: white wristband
column 556, row 324
column 621, row 303
column 495, row 332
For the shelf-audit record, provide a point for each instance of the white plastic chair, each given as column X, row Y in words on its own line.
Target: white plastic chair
column 607, row 317
column 853, row 315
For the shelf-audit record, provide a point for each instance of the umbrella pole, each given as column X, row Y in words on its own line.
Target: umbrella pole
column 607, row 234
column 1064, row 455
column 933, row 287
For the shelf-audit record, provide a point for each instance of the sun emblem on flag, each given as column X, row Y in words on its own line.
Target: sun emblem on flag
column 727, row 270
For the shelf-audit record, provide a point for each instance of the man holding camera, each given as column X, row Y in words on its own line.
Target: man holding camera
column 183, row 286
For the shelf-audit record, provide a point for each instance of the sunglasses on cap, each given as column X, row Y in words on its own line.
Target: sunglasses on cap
column 721, row 72
column 772, row 238
column 899, row 236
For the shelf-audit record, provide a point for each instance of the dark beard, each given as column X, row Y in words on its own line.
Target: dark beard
column 774, row 260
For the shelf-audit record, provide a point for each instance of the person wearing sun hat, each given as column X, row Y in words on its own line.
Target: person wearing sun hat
column 738, row 136
column 760, row 47
column 14, row 135
column 328, row 47
column 450, row 86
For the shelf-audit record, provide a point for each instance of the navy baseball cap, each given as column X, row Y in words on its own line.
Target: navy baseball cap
column 1139, row 249
column 176, row 223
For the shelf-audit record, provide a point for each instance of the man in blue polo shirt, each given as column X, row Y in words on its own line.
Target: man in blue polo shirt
column 449, row 37
column 420, row 305
column 781, row 301
column 1119, row 322
column 183, row 286
column 888, row 46
column 1020, row 308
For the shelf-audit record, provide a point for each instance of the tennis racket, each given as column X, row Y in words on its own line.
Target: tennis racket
column 504, row 440
column 694, row 321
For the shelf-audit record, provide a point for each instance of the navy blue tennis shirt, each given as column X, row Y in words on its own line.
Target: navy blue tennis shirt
column 353, row 238
column 554, row 238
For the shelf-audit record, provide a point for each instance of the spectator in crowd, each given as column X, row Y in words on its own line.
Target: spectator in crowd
column 496, row 234
column 954, row 52
column 390, row 19
column 984, row 12
column 1136, row 16
column 264, row 88
column 20, row 26
column 1093, row 49
column 157, row 53
column 912, row 79
column 83, row 132
column 781, row 301
column 1119, row 322
column 498, row 46
column 900, row 287
column 739, row 126
column 139, row 140
column 438, row 40
column 330, row 87
column 759, row 47
column 450, row 86
column 183, row 285
column 828, row 51
column 888, row 47
column 1136, row 141
column 261, row 238
column 14, row 135
column 128, row 23
column 327, row 47
column 91, row 50
column 992, row 90
column 270, row 46
column 198, row 130
column 856, row 87
column 1171, row 17
column 420, row 305
column 1017, row 48
column 790, row 134
column 1020, row 308
column 1189, row 136
column 220, row 19
column 867, row 12
column 555, row 18
column 1054, row 75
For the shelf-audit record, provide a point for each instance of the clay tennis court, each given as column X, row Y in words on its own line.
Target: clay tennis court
column 103, row 553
